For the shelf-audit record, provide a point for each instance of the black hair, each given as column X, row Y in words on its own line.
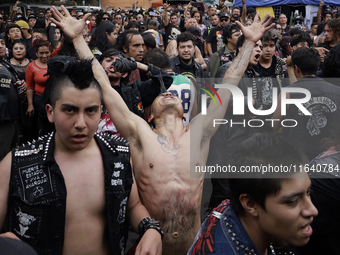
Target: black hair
column 294, row 31
column 236, row 8
column 239, row 43
column 99, row 17
column 307, row 59
column 193, row 14
column 99, row 38
column 271, row 35
column 19, row 41
column 124, row 39
column 159, row 58
column 303, row 37
column 173, row 14
column 184, row 37
column 149, row 40
column 261, row 149
column 228, row 30
column 331, row 65
column 78, row 74
column 321, row 27
column 67, row 47
column 7, row 38
column 132, row 24
column 40, row 31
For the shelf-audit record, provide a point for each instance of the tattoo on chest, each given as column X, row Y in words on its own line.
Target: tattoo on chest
column 173, row 149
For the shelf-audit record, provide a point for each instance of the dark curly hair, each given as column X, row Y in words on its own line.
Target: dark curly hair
column 41, row 43
column 331, row 65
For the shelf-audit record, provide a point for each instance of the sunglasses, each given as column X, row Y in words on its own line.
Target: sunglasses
column 224, row 20
column 105, row 18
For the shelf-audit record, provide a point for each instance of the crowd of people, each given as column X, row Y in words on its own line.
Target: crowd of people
column 104, row 121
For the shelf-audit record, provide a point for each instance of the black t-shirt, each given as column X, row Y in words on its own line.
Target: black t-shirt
column 267, row 83
column 188, row 70
column 215, row 38
column 171, row 33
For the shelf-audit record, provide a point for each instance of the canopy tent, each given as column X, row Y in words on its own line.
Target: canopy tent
column 256, row 3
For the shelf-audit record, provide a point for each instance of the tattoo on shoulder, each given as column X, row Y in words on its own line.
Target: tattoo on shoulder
column 166, row 146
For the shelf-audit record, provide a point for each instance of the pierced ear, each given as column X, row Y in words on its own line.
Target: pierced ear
column 249, row 205
column 49, row 111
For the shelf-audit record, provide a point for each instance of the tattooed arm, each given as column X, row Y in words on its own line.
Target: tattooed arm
column 125, row 121
column 171, row 49
column 234, row 73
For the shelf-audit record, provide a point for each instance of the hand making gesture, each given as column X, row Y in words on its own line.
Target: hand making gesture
column 70, row 26
column 257, row 28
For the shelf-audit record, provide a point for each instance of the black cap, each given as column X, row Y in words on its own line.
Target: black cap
column 31, row 16
column 298, row 18
column 224, row 15
column 195, row 31
column 141, row 24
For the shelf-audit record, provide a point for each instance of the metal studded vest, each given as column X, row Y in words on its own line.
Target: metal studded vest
column 37, row 194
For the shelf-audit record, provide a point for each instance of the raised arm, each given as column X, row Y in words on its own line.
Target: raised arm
column 244, row 12
column 234, row 73
column 124, row 120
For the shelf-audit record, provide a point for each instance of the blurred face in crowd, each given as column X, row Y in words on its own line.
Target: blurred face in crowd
column 112, row 37
column 186, row 51
column 139, row 17
column 301, row 44
column 279, row 28
column 329, row 34
column 86, row 36
column 19, row 51
column 111, row 71
column 14, row 33
column 268, row 50
column 93, row 21
column 282, row 19
column 41, row 14
column 188, row 15
column 2, row 48
column 214, row 20
column 224, row 21
column 248, row 23
column 236, row 13
column 135, row 48
column 31, row 22
column 255, row 56
column 314, row 29
column 328, row 16
column 105, row 17
column 48, row 14
column 234, row 36
column 212, row 10
column 174, row 20
column 197, row 17
column 119, row 19
column 191, row 22
column 36, row 35
column 43, row 54
column 57, row 34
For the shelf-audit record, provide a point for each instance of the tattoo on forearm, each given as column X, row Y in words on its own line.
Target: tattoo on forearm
column 166, row 146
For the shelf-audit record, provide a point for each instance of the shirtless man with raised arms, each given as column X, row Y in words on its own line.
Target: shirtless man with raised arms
column 161, row 157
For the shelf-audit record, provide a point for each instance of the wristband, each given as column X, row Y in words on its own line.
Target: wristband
column 148, row 223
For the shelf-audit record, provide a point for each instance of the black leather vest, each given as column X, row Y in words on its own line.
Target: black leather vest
column 37, row 194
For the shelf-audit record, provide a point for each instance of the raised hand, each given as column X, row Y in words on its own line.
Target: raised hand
column 257, row 28
column 70, row 26
column 322, row 3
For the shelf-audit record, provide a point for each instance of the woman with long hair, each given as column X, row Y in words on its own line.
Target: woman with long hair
column 198, row 16
column 36, row 79
column 103, row 38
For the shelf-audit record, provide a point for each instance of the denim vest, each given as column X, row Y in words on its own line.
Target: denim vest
column 223, row 234
column 37, row 194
